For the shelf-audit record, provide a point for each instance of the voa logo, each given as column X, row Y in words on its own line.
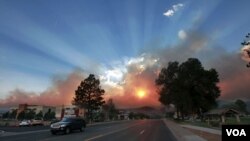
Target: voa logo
column 236, row 132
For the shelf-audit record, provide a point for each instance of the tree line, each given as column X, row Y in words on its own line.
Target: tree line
column 29, row 114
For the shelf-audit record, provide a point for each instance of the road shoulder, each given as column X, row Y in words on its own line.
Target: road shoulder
column 180, row 133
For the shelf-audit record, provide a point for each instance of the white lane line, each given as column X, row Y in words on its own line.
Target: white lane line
column 142, row 132
column 101, row 135
column 95, row 137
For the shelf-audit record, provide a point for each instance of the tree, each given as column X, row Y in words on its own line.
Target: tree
column 13, row 114
column 52, row 115
column 131, row 115
column 246, row 42
column 21, row 115
column 188, row 86
column 111, row 110
column 6, row 115
column 242, row 106
column 89, row 95
column 39, row 115
column 30, row 114
column 49, row 115
column 237, row 105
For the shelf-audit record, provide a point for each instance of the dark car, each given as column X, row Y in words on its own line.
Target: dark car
column 67, row 124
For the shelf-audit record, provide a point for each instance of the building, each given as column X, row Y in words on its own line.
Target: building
column 36, row 108
column 223, row 114
column 69, row 111
column 123, row 115
column 41, row 108
column 60, row 111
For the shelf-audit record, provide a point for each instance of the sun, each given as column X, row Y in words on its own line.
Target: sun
column 141, row 93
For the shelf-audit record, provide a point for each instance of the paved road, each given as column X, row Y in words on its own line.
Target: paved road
column 138, row 130
column 23, row 129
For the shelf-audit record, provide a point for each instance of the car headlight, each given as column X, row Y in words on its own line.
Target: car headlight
column 63, row 125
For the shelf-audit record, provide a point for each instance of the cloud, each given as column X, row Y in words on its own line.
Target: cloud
column 125, row 77
column 177, row 6
column 244, row 53
column 140, row 75
column 173, row 10
column 169, row 13
column 236, row 86
column 61, row 92
column 182, row 34
column 141, row 71
column 233, row 73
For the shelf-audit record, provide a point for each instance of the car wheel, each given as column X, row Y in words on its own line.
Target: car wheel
column 67, row 130
column 82, row 129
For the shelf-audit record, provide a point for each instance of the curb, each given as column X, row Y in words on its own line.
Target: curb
column 180, row 133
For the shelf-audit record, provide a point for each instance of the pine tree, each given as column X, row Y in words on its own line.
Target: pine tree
column 89, row 95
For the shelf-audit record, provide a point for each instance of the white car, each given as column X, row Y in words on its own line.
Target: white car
column 25, row 123
column 35, row 122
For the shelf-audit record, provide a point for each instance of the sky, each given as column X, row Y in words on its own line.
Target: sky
column 48, row 47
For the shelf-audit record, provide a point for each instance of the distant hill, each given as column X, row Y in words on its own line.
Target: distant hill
column 147, row 110
column 221, row 103
column 144, row 108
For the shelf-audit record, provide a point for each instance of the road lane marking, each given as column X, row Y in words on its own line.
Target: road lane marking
column 142, row 132
column 112, row 132
column 95, row 137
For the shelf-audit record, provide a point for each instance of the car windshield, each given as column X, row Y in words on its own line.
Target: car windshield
column 66, row 120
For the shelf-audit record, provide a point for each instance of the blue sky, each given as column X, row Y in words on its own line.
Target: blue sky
column 41, row 38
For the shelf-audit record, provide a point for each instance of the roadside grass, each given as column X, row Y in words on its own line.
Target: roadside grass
column 215, row 124
column 8, row 122
column 243, row 120
column 199, row 123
